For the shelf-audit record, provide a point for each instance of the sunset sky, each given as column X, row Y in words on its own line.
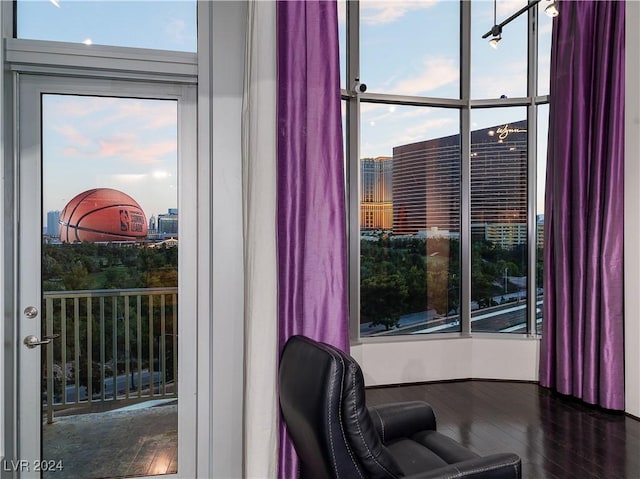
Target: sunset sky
column 126, row 144
column 407, row 47
column 90, row 142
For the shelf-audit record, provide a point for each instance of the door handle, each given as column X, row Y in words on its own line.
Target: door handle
column 32, row 341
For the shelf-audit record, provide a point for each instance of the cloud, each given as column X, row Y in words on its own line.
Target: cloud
column 61, row 106
column 70, row 151
column 127, row 178
column 404, row 126
column 431, row 128
column 482, row 12
column 510, row 81
column 436, row 72
column 149, row 115
column 375, row 12
column 506, row 8
column 423, row 131
column 74, row 136
column 98, row 113
column 177, row 30
column 128, row 147
column 370, row 107
column 132, row 131
column 121, row 144
column 380, row 112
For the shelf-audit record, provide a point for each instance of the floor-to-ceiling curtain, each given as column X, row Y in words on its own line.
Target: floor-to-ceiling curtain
column 259, row 229
column 311, row 227
column 582, row 352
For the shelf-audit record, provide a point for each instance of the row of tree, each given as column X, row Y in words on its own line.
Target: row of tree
column 400, row 276
column 71, row 267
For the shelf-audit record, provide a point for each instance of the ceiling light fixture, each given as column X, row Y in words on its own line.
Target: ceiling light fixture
column 552, row 9
column 496, row 30
column 494, row 41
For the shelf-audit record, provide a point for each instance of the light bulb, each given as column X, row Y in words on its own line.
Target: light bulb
column 552, row 9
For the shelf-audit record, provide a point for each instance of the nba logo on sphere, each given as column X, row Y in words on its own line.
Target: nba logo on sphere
column 124, row 220
column 102, row 215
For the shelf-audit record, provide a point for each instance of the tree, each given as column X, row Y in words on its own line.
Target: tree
column 416, row 280
column 76, row 278
column 383, row 299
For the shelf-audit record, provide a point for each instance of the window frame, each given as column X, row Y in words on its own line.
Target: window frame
column 464, row 105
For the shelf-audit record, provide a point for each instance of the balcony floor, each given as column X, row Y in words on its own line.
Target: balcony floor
column 128, row 442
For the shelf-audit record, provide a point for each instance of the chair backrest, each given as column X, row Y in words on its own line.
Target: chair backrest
column 323, row 405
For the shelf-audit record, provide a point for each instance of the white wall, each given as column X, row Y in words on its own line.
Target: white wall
column 632, row 212
column 407, row 360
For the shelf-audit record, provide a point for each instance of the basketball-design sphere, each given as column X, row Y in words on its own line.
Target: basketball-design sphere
column 102, row 215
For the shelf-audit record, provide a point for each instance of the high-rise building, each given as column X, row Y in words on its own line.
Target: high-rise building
column 376, row 207
column 499, row 183
column 427, row 186
column 168, row 223
column 53, row 220
column 505, row 234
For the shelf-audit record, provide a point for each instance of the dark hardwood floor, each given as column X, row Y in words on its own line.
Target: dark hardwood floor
column 556, row 437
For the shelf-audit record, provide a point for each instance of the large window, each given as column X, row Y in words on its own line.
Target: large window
column 447, row 166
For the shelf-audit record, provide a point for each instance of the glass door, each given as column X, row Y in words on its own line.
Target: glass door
column 106, row 299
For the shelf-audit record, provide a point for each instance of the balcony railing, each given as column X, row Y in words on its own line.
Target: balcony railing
column 110, row 345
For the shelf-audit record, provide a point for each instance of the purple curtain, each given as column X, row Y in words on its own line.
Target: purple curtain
column 582, row 352
column 312, row 271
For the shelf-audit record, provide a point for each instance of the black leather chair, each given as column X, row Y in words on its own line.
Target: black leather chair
column 335, row 436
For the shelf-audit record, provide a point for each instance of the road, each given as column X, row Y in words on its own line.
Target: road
column 508, row 318
column 122, row 381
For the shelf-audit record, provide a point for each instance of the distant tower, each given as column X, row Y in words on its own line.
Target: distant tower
column 152, row 224
column 376, row 199
column 53, row 219
column 168, row 223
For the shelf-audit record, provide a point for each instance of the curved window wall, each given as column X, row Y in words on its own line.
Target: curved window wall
column 446, row 147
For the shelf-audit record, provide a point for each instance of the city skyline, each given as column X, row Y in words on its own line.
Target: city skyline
column 127, row 144
column 393, row 62
column 51, row 225
column 420, row 186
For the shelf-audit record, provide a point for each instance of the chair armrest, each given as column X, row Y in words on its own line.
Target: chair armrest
column 495, row 466
column 402, row 419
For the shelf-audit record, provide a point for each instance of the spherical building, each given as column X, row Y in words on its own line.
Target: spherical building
column 102, row 215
